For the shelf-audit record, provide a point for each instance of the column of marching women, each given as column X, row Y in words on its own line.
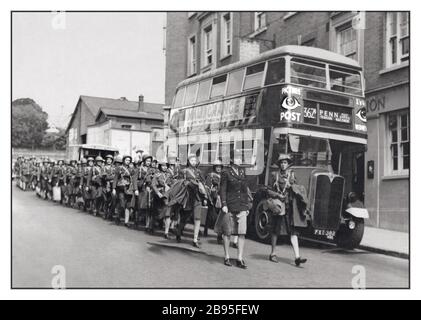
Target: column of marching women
column 162, row 195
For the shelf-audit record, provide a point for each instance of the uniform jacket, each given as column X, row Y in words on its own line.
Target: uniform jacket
column 70, row 174
column 161, row 182
column 143, row 177
column 281, row 181
column 95, row 176
column 122, row 178
column 234, row 190
column 57, row 173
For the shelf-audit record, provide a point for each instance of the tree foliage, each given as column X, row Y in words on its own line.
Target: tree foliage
column 29, row 123
column 55, row 141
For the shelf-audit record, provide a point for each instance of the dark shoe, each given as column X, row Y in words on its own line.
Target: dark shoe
column 178, row 239
column 166, row 236
column 227, row 262
column 273, row 258
column 300, row 261
column 241, row 264
column 196, row 245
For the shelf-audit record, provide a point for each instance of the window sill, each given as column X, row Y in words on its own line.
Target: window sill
column 394, row 68
column 225, row 57
column 258, row 32
column 403, row 176
column 289, row 15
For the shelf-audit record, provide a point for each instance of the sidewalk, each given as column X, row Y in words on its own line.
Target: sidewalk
column 386, row 241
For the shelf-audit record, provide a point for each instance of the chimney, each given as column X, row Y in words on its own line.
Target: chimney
column 141, row 106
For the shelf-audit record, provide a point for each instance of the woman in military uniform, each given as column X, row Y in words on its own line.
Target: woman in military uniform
column 283, row 221
column 236, row 203
column 196, row 197
column 161, row 183
column 213, row 182
column 87, row 191
column 70, row 183
column 121, row 189
column 142, row 186
column 109, row 173
column 95, row 184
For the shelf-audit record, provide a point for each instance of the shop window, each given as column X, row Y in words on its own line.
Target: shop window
column 398, row 139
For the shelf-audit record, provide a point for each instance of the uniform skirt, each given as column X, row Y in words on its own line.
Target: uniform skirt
column 145, row 199
column 283, row 225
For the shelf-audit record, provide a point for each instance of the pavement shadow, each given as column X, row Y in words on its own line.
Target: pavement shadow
column 160, row 247
column 339, row 251
column 265, row 257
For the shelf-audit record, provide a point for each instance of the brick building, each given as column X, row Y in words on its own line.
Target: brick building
column 197, row 42
column 120, row 123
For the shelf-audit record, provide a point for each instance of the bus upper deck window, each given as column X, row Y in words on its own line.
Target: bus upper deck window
column 276, row 71
column 235, row 81
column 218, row 86
column 345, row 80
column 254, row 75
column 308, row 73
column 204, row 89
column 179, row 97
column 191, row 93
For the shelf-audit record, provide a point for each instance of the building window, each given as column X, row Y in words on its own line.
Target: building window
column 126, row 126
column 259, row 20
column 398, row 151
column 226, row 35
column 207, row 46
column 347, row 41
column 397, row 38
column 191, row 56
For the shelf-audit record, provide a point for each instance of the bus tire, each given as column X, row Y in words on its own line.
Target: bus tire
column 350, row 239
column 260, row 222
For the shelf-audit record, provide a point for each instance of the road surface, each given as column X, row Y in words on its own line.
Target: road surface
column 93, row 253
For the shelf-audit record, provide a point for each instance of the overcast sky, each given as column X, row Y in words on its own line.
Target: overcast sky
column 58, row 58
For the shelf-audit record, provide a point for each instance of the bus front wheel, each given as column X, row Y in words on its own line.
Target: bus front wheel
column 261, row 223
column 350, row 237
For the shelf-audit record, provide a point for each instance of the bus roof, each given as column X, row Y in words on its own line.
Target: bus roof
column 98, row 147
column 301, row 51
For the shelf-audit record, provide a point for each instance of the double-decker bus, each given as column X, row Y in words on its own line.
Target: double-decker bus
column 302, row 101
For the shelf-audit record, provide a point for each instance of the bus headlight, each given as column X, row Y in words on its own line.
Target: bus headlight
column 351, row 225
